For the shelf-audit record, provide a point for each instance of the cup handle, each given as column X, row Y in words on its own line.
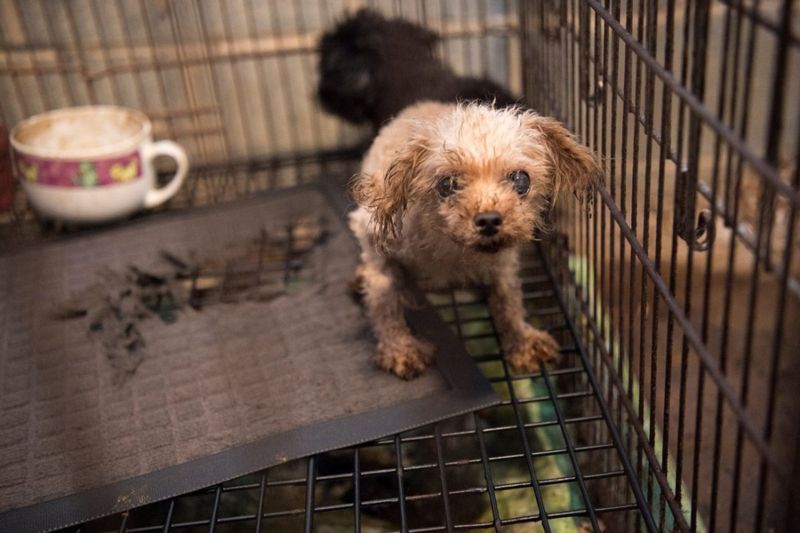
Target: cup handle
column 168, row 148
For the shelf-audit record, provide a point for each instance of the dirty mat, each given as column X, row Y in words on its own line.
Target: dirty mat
column 178, row 352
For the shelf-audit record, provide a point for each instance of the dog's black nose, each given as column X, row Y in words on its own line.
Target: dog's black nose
column 488, row 222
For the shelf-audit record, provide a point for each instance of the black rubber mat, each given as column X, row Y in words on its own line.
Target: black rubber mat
column 174, row 353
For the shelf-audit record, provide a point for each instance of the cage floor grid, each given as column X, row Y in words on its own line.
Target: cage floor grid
column 546, row 457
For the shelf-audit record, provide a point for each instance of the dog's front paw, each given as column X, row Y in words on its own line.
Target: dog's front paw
column 404, row 356
column 532, row 349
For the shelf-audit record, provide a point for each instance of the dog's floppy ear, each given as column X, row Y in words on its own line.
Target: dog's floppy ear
column 388, row 195
column 572, row 164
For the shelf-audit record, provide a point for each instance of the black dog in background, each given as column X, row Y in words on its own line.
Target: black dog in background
column 372, row 68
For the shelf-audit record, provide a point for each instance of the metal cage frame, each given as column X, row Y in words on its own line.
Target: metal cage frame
column 673, row 294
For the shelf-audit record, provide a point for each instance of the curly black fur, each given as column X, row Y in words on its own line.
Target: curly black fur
column 372, row 68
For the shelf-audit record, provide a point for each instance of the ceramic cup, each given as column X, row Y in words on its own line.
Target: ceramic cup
column 92, row 164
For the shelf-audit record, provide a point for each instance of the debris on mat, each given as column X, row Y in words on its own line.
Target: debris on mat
column 261, row 269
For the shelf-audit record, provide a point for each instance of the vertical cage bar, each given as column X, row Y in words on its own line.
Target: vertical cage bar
column 440, row 460
column 311, row 477
column 356, row 491
column 487, row 473
column 212, row 522
column 401, row 493
column 262, row 491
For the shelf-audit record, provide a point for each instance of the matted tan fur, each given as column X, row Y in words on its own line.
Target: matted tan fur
column 408, row 230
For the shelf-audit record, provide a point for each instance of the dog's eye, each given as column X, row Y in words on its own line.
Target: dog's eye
column 521, row 181
column 446, row 186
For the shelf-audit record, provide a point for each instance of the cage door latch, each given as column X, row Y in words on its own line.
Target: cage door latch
column 699, row 234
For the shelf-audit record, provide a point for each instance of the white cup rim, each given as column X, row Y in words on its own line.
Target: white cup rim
column 134, row 141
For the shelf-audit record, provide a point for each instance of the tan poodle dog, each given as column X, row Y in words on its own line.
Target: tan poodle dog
column 446, row 195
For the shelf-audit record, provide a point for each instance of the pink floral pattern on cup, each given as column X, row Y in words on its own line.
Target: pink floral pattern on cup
column 78, row 173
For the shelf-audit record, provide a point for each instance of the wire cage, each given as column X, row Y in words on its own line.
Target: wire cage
column 674, row 296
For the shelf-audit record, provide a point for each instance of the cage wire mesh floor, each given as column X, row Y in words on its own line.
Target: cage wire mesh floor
column 547, row 457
